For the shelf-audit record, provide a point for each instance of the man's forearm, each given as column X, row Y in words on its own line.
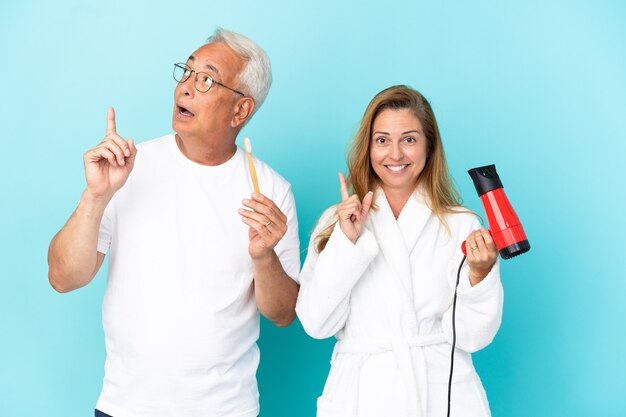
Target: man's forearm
column 73, row 256
column 275, row 291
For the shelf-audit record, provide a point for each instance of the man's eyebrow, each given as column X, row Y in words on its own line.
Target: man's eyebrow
column 212, row 68
column 207, row 66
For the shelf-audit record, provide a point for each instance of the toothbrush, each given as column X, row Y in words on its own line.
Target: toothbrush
column 255, row 181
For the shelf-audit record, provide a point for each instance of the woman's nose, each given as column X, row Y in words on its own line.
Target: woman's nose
column 396, row 152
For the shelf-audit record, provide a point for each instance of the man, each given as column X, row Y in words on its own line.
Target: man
column 189, row 267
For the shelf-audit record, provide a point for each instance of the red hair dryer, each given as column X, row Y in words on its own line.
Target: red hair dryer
column 504, row 226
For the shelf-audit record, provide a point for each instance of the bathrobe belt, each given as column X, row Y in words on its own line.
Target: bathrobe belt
column 413, row 374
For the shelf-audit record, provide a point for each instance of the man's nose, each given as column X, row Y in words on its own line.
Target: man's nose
column 187, row 87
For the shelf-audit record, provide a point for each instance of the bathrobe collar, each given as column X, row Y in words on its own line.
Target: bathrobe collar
column 397, row 239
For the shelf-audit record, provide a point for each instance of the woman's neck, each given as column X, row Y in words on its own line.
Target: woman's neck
column 397, row 199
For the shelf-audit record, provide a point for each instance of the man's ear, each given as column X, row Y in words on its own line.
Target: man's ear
column 243, row 111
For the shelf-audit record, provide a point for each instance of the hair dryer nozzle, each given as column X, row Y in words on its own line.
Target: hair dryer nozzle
column 485, row 179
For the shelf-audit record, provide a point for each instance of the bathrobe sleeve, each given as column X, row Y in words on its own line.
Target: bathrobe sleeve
column 327, row 278
column 478, row 310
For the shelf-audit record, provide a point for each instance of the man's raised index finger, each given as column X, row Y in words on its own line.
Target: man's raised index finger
column 110, row 121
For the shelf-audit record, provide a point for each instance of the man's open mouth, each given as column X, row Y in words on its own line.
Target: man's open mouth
column 183, row 111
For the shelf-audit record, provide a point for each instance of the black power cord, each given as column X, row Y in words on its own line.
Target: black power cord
column 458, row 276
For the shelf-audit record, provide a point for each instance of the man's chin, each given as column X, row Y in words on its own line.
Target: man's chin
column 179, row 127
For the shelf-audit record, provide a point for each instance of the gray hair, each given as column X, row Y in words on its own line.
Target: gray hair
column 256, row 76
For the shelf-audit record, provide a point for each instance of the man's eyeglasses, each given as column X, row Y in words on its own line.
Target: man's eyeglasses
column 203, row 83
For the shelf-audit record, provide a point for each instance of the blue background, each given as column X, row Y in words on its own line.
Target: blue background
column 538, row 87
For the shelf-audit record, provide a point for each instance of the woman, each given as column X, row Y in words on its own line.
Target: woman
column 381, row 270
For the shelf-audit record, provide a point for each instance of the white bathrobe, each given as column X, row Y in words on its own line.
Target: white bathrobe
column 388, row 301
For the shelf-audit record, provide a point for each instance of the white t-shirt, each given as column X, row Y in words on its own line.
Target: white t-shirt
column 179, row 313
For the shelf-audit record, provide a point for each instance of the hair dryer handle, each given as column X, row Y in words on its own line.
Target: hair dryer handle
column 464, row 245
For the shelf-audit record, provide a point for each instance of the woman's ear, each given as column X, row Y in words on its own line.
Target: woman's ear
column 243, row 110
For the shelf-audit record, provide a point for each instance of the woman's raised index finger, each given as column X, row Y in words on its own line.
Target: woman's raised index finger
column 343, row 187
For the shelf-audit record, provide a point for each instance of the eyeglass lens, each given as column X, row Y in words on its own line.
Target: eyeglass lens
column 202, row 82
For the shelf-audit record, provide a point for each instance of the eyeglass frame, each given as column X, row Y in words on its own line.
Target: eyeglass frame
column 184, row 66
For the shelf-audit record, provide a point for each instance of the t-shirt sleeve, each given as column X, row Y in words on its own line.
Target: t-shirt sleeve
column 288, row 249
column 105, row 233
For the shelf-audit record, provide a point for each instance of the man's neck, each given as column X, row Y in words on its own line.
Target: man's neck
column 208, row 151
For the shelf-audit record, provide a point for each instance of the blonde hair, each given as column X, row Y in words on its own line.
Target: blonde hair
column 434, row 179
